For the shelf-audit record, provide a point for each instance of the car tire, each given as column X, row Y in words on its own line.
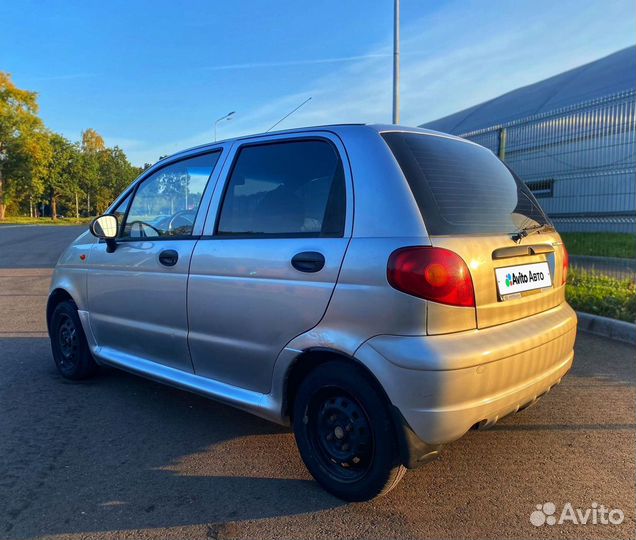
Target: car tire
column 68, row 343
column 345, row 433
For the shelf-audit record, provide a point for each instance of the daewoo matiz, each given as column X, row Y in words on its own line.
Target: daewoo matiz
column 382, row 289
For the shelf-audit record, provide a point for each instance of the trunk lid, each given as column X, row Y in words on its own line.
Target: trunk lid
column 484, row 254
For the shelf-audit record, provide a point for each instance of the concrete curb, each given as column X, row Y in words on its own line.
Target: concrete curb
column 604, row 326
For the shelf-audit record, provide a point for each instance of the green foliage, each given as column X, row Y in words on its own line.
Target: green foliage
column 39, row 167
column 115, row 174
column 92, row 141
column 24, row 149
column 62, row 178
column 599, row 294
column 600, row 244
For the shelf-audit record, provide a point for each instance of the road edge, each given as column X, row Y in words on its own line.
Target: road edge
column 606, row 327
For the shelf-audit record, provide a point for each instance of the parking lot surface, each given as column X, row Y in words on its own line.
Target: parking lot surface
column 33, row 246
column 122, row 457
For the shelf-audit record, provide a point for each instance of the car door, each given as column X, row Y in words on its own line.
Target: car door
column 268, row 262
column 137, row 293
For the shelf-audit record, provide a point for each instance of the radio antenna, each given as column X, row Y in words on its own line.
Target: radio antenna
column 289, row 114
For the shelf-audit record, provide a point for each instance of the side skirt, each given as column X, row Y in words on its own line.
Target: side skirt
column 263, row 405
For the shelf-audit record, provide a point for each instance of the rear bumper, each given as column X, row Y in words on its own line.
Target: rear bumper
column 444, row 385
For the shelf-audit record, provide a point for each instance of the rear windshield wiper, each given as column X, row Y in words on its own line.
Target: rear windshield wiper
column 525, row 231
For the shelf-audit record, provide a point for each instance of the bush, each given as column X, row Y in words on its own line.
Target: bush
column 603, row 295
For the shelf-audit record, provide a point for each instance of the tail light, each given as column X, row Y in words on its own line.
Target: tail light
column 431, row 273
column 566, row 265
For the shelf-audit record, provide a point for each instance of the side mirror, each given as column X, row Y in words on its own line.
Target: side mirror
column 106, row 228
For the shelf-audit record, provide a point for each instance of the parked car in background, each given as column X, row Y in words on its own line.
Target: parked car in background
column 381, row 289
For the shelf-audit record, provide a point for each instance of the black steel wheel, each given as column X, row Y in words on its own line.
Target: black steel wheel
column 345, row 434
column 68, row 343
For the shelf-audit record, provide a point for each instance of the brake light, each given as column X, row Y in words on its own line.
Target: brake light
column 566, row 265
column 431, row 273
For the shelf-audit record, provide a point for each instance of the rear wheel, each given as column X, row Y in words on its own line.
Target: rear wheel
column 345, row 434
column 68, row 343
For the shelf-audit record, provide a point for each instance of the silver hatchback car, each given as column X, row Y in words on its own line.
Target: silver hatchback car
column 382, row 289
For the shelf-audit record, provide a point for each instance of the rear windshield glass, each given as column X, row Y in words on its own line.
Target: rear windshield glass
column 462, row 188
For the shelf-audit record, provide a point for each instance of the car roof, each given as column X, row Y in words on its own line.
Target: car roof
column 380, row 128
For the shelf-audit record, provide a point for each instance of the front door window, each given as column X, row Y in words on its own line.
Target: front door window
column 166, row 203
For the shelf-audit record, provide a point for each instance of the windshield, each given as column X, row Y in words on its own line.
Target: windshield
column 462, row 188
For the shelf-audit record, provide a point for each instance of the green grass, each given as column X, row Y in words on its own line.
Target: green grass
column 599, row 294
column 19, row 220
column 600, row 244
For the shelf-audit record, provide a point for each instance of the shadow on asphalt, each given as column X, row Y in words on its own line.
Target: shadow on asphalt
column 121, row 452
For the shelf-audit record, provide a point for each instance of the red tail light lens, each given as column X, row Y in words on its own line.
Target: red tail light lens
column 431, row 273
column 566, row 265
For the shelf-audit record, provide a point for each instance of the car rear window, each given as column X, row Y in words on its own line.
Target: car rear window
column 463, row 188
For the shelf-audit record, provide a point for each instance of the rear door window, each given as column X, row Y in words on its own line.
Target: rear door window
column 463, row 188
column 285, row 189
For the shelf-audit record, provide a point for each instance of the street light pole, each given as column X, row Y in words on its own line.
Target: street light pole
column 396, row 62
column 228, row 116
column 3, row 157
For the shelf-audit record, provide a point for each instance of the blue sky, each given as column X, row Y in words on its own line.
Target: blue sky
column 152, row 76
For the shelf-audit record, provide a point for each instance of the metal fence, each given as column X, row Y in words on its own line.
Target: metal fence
column 579, row 161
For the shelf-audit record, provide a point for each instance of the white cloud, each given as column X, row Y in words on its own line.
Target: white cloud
column 286, row 63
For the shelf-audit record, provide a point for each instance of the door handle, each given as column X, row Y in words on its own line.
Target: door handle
column 308, row 261
column 168, row 257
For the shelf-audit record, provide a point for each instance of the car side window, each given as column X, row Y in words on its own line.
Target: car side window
column 293, row 188
column 166, row 203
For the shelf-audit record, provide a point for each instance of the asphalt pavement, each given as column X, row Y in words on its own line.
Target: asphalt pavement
column 35, row 246
column 122, row 457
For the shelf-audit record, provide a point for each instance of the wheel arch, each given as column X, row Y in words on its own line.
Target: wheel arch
column 56, row 296
column 308, row 360
column 413, row 451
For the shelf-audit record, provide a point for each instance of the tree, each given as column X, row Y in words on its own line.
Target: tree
column 30, row 165
column 92, row 141
column 37, row 165
column 23, row 144
column 64, row 171
column 115, row 174
column 89, row 176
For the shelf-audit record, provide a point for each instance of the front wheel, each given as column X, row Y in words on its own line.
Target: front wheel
column 68, row 343
column 345, row 434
